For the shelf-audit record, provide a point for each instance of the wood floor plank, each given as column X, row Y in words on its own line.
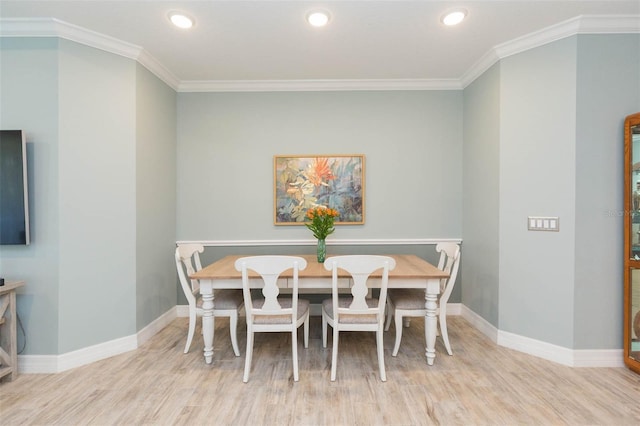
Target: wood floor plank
column 481, row 384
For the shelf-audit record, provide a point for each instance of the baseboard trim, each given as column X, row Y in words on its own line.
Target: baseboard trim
column 44, row 364
column 40, row 364
column 548, row 351
column 481, row 324
column 599, row 358
column 157, row 325
column 562, row 355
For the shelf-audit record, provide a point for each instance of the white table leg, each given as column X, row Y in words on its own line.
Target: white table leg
column 208, row 319
column 431, row 320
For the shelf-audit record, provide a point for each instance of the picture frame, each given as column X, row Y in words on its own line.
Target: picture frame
column 301, row 182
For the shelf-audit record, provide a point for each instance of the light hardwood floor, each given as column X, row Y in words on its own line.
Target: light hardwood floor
column 481, row 384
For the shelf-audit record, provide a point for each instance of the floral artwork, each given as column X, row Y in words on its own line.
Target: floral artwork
column 307, row 182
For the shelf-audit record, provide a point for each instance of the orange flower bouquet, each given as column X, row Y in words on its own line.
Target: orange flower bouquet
column 321, row 224
column 322, row 219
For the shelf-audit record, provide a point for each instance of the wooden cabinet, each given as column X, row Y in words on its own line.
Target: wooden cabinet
column 8, row 335
column 632, row 242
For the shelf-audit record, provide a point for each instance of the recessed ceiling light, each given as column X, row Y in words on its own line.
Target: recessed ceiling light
column 454, row 17
column 181, row 20
column 318, row 18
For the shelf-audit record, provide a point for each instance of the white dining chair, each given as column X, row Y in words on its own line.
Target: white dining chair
column 226, row 302
column 273, row 312
column 411, row 302
column 356, row 312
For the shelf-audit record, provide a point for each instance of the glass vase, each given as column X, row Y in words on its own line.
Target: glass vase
column 321, row 250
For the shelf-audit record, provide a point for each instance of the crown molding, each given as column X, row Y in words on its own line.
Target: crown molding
column 155, row 67
column 584, row 24
column 51, row 27
column 317, row 85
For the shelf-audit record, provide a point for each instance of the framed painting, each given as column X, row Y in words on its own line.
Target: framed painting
column 304, row 182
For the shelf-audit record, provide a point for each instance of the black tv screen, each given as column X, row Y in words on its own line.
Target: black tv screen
column 14, row 205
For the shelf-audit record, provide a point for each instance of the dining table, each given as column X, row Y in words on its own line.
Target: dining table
column 411, row 271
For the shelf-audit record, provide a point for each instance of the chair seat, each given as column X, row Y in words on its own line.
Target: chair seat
column 303, row 308
column 225, row 299
column 407, row 298
column 344, row 302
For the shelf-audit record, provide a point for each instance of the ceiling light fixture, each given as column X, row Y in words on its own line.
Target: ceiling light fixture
column 454, row 17
column 318, row 18
column 181, row 20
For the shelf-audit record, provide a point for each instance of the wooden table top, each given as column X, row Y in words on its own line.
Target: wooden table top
column 407, row 266
column 10, row 286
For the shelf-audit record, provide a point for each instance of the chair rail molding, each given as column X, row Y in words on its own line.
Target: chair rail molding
column 331, row 242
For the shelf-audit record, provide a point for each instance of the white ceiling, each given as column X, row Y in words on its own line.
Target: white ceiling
column 270, row 41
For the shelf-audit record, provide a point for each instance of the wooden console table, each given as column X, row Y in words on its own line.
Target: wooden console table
column 8, row 333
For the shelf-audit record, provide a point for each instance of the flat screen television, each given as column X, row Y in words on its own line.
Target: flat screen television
column 14, row 200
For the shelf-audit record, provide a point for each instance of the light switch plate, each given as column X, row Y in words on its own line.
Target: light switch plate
column 543, row 223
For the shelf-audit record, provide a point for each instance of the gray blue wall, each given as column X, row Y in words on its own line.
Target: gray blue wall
column 554, row 149
column 608, row 89
column 97, row 197
column 481, row 195
column 412, row 142
column 537, row 178
column 113, row 150
column 155, row 197
column 101, row 140
column 29, row 100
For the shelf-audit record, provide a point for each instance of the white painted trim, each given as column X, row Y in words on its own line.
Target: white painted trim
column 598, row 358
column 548, row 351
column 562, row 355
column 37, row 364
column 182, row 311
column 481, row 324
column 454, row 309
column 585, row 24
column 157, row 68
column 51, row 27
column 155, row 326
column 330, row 242
column 609, row 24
column 97, row 352
column 317, row 85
